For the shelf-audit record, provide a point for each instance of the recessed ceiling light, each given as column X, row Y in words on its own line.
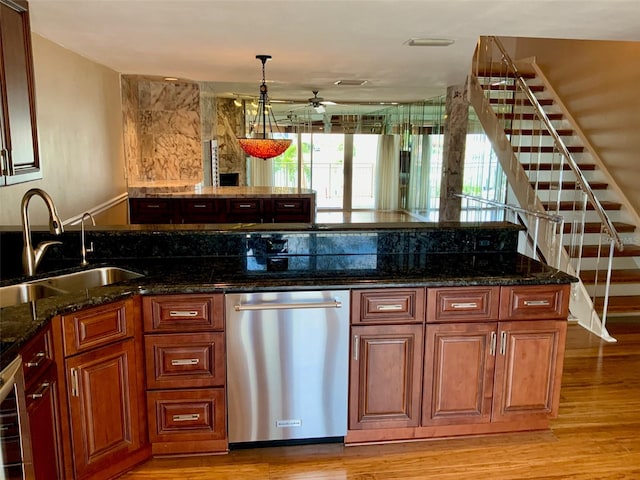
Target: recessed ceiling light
column 350, row 83
column 170, row 79
column 429, row 42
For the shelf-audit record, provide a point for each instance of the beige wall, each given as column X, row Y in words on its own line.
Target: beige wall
column 598, row 82
column 80, row 132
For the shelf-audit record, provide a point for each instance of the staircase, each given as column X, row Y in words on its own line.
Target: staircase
column 552, row 168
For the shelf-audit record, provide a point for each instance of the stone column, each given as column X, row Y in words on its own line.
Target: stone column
column 455, row 135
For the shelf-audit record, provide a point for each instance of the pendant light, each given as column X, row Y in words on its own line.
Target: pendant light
column 260, row 144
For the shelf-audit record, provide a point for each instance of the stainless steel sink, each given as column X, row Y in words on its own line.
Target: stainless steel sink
column 25, row 292
column 61, row 284
column 96, row 277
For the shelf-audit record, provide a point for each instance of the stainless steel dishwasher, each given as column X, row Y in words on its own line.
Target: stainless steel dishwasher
column 287, row 365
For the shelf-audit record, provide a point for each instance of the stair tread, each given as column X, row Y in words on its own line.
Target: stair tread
column 595, row 227
column 547, row 149
column 629, row 251
column 513, row 87
column 620, row 304
column 555, row 166
column 631, row 275
column 527, row 116
column 499, row 73
column 519, row 101
column 569, row 206
column 568, row 185
column 563, row 132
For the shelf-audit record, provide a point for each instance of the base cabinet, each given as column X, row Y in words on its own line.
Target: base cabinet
column 104, row 403
column 186, row 373
column 492, row 361
column 42, row 405
column 480, row 373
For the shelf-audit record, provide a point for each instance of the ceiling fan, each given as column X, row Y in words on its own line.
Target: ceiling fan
column 318, row 103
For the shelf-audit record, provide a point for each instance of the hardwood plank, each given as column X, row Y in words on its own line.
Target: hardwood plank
column 594, row 437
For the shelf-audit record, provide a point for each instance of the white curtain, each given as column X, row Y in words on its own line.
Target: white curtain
column 419, row 191
column 387, row 173
column 260, row 172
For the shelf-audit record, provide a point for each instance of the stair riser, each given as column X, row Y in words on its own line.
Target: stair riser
column 622, row 263
column 616, row 290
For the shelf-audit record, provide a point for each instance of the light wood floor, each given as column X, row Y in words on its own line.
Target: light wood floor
column 597, row 436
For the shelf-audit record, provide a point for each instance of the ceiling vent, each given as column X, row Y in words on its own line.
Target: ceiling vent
column 350, row 83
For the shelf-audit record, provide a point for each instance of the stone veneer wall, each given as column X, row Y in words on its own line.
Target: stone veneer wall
column 169, row 128
column 230, row 125
column 162, row 131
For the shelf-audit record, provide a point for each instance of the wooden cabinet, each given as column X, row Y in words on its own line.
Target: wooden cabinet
column 386, row 358
column 477, row 371
column 492, row 361
column 186, row 374
column 20, row 161
column 42, row 405
column 221, row 209
column 106, row 431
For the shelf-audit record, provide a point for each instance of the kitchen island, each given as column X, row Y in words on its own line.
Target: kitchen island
column 452, row 332
column 204, row 204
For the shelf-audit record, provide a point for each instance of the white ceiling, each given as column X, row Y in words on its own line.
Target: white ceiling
column 315, row 42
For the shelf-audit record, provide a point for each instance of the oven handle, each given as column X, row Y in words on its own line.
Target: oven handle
column 7, row 377
column 287, row 306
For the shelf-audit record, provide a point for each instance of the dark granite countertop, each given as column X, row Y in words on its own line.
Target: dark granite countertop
column 225, row 274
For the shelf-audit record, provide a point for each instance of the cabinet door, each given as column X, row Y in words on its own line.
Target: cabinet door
column 104, row 402
column 291, row 210
column 385, row 377
column 20, row 159
column 459, row 366
column 201, row 210
column 528, row 369
column 42, row 408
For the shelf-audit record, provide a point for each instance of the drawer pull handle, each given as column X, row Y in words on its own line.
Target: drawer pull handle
column 183, row 313
column 356, row 347
column 246, row 205
column 39, row 393
column 390, row 308
column 153, row 206
column 185, row 361
column 288, row 205
column 74, row 383
column 199, row 205
column 37, row 359
column 190, row 417
column 503, row 342
column 536, row 303
column 492, row 345
column 465, row 305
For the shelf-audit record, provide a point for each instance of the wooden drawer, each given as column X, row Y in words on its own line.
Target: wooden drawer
column 98, row 326
column 190, row 418
column 462, row 304
column 37, row 356
column 391, row 305
column 183, row 313
column 291, row 206
column 151, row 210
column 204, row 210
column 185, row 360
column 533, row 302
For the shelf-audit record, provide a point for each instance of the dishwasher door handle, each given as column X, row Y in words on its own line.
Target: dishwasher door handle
column 287, row 306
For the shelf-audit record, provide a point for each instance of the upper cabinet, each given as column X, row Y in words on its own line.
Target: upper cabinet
column 18, row 134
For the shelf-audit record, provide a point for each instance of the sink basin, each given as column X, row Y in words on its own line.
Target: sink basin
column 25, row 292
column 96, row 277
column 60, row 284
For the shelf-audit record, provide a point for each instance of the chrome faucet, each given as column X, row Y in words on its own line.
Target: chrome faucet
column 84, row 250
column 31, row 257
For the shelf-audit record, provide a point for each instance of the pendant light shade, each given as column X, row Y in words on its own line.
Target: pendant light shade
column 261, row 144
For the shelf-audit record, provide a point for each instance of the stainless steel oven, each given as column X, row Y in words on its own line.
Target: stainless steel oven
column 15, row 445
